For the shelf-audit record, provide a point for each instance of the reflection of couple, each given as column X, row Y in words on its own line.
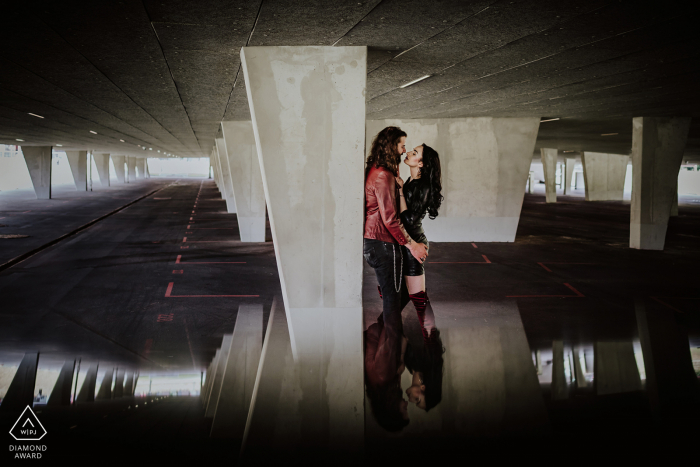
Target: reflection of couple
column 396, row 247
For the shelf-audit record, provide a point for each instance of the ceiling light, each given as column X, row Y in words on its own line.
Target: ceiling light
column 19, row 139
column 608, row 134
column 150, row 149
column 93, row 132
column 415, row 81
column 59, row 145
column 35, row 115
column 121, row 140
column 549, row 120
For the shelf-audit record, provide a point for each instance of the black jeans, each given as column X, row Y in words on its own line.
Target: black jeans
column 385, row 259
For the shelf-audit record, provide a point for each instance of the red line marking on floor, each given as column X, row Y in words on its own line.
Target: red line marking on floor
column 578, row 294
column 557, row 262
column 188, row 232
column 658, row 299
column 184, row 247
column 168, row 294
column 162, row 198
column 155, row 242
column 25, row 211
column 545, row 267
column 485, row 261
column 474, row 245
column 178, row 271
column 184, row 239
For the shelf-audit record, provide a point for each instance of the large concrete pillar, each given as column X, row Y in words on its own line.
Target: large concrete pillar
column 118, row 384
column 131, row 166
column 615, row 368
column 136, row 380
column 549, row 166
column 308, row 111
column 226, row 181
column 218, row 376
column 485, row 165
column 146, row 172
column 20, row 394
column 129, row 384
column 239, row 375
column 211, row 371
column 105, row 391
column 657, row 153
column 560, row 385
column 217, row 171
column 119, row 162
column 102, row 164
column 87, row 390
column 77, row 160
column 604, row 175
column 141, row 166
column 60, row 395
column 246, row 178
column 569, row 174
column 38, row 160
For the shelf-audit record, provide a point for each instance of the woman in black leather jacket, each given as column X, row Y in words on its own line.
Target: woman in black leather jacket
column 421, row 195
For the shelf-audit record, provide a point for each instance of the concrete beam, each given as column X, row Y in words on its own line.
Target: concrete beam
column 307, row 107
column 87, row 390
column 604, row 175
column 549, row 166
column 105, row 391
column 102, row 164
column 77, row 160
column 485, row 165
column 657, row 153
column 240, row 373
column 218, row 376
column 38, row 160
column 246, row 178
column 61, row 392
column 119, row 168
column 131, row 166
column 20, row 394
column 569, row 174
column 226, row 181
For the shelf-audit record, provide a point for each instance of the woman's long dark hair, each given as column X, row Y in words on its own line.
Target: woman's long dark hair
column 383, row 152
column 431, row 174
column 428, row 360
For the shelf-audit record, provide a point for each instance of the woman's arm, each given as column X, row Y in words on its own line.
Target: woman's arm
column 402, row 199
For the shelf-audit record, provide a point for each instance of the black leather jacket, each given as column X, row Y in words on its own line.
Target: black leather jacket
column 416, row 194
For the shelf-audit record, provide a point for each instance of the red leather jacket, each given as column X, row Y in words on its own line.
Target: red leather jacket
column 381, row 210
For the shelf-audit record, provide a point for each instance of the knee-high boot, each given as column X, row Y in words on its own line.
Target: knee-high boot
column 425, row 315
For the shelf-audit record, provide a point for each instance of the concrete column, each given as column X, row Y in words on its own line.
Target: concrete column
column 615, row 368
column 226, row 181
column 38, row 160
column 20, row 394
column 119, row 162
column 657, row 153
column 549, row 166
column 569, row 174
column 136, row 379
column 560, row 386
column 604, row 175
column 210, row 377
column 60, row 395
column 146, row 172
column 485, row 165
column 308, row 111
column 131, row 166
column 671, row 381
column 87, row 391
column 218, row 376
column 239, row 376
column 141, row 166
column 212, row 164
column 77, row 160
column 246, row 178
column 105, row 391
column 129, row 384
column 118, row 384
column 102, row 163
column 217, row 172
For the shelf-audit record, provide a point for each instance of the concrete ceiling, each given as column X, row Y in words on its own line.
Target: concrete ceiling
column 163, row 74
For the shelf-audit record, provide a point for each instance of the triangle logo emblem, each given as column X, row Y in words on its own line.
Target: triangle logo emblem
column 28, row 427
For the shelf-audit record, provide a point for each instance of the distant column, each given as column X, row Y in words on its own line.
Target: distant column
column 246, row 178
column 131, row 166
column 118, row 384
column 569, row 174
column 102, row 163
column 60, row 395
column 105, row 391
column 129, row 384
column 20, row 394
column 485, row 164
column 119, row 168
column 38, row 160
column 227, row 191
column 657, row 153
column 77, row 160
column 560, row 386
column 87, row 390
column 141, row 165
column 145, row 168
column 604, row 175
column 549, row 166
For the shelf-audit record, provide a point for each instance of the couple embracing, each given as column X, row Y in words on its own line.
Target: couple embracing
column 396, row 247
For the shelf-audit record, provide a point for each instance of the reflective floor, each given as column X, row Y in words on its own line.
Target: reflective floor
column 565, row 341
